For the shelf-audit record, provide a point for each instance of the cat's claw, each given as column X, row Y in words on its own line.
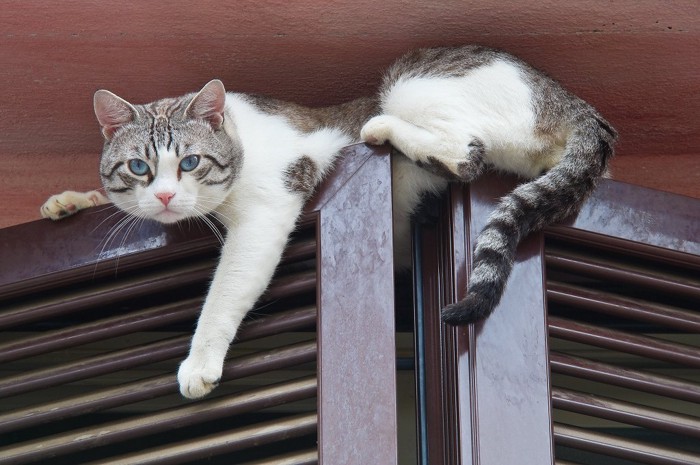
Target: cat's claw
column 198, row 377
column 55, row 209
column 69, row 203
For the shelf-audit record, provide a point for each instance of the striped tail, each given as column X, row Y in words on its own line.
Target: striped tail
column 531, row 206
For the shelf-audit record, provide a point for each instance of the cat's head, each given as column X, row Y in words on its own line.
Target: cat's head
column 170, row 159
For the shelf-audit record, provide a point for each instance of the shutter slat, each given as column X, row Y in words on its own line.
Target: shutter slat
column 287, row 286
column 129, row 358
column 99, row 295
column 299, row 250
column 140, row 320
column 617, row 340
column 628, row 307
column 609, row 270
column 290, row 320
column 141, row 286
column 84, row 265
column 240, row 367
column 618, row 376
column 144, row 320
column 685, row 256
column 95, row 366
column 216, row 444
column 625, row 412
column 607, row 444
column 117, row 431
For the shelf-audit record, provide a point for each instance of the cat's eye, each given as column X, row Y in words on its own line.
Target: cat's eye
column 139, row 167
column 189, row 163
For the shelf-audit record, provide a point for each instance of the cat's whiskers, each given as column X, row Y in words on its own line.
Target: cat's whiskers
column 214, row 202
column 116, row 212
column 136, row 222
column 114, row 230
column 102, row 208
column 127, row 221
column 202, row 217
column 216, row 214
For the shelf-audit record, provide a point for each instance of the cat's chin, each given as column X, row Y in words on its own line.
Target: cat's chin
column 168, row 217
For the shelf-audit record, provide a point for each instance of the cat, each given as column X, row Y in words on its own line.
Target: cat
column 451, row 112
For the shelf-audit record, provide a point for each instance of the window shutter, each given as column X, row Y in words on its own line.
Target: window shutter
column 623, row 287
column 617, row 291
column 486, row 385
column 94, row 326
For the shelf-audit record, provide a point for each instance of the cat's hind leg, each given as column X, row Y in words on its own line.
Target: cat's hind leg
column 450, row 159
column 70, row 202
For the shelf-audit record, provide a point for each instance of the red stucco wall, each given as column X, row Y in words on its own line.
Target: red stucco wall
column 638, row 62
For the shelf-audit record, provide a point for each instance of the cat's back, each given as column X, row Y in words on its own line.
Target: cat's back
column 493, row 73
column 460, row 93
column 275, row 135
column 453, row 83
column 440, row 62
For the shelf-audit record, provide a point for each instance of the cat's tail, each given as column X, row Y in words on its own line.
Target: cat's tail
column 531, row 206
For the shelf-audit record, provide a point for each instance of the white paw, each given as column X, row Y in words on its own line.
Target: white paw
column 198, row 376
column 376, row 131
column 69, row 203
column 59, row 206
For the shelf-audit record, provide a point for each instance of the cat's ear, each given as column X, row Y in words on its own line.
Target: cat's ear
column 112, row 112
column 209, row 104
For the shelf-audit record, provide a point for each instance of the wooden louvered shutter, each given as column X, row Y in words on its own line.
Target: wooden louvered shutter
column 486, row 388
column 622, row 285
column 623, row 288
column 94, row 326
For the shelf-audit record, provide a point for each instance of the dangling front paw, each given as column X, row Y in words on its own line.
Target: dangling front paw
column 69, row 203
column 198, row 376
column 377, row 130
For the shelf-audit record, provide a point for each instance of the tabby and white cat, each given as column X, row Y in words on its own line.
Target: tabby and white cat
column 253, row 161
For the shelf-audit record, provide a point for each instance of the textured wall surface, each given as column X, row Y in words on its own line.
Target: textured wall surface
column 638, row 62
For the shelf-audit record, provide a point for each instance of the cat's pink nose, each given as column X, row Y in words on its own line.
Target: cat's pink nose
column 165, row 197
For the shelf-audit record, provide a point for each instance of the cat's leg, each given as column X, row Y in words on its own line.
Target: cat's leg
column 70, row 202
column 250, row 254
column 441, row 155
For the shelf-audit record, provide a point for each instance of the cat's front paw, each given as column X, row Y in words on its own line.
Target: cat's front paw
column 198, row 376
column 69, row 203
column 376, row 131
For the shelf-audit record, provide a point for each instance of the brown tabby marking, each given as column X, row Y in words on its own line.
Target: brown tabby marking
column 467, row 171
column 302, row 176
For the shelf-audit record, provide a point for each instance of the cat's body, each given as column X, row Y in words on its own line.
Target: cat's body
column 454, row 112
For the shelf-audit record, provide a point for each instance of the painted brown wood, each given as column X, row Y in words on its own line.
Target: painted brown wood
column 357, row 355
column 633, row 213
column 488, row 394
column 635, row 61
column 510, row 394
column 443, row 362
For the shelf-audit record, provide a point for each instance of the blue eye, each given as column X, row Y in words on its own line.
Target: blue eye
column 139, row 167
column 189, row 163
